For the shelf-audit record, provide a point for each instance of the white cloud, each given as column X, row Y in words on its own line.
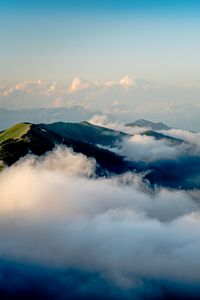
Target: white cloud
column 81, row 84
column 125, row 82
column 190, row 137
column 103, row 120
column 29, row 86
column 128, row 97
column 147, row 148
column 114, row 226
column 32, row 87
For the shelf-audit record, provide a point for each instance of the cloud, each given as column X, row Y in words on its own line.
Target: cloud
column 139, row 147
column 57, row 214
column 103, row 120
column 31, row 87
column 28, row 86
column 32, row 93
column 34, row 87
column 147, row 148
column 188, row 136
column 80, row 84
column 125, row 82
column 128, row 98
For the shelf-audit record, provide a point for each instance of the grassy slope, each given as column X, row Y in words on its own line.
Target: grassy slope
column 15, row 132
column 13, row 143
column 21, row 139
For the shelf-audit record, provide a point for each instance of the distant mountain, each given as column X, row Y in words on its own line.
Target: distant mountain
column 161, row 136
column 149, row 124
column 43, row 115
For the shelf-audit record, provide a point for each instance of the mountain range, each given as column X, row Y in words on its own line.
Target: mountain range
column 97, row 142
column 75, row 113
column 47, row 115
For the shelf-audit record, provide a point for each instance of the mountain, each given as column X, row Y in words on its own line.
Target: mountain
column 90, row 140
column 24, row 138
column 161, row 136
column 149, row 124
column 43, row 115
column 86, row 132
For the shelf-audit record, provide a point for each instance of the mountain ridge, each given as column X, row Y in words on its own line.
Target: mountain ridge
column 37, row 139
column 148, row 124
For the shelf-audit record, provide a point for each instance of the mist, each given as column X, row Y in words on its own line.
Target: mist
column 58, row 215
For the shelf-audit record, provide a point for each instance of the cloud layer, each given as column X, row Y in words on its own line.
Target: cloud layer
column 57, row 214
column 128, row 98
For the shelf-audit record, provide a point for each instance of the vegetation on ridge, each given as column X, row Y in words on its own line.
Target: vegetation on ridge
column 15, row 132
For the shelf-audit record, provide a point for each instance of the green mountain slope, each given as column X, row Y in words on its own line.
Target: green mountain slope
column 15, row 132
column 86, row 132
column 24, row 138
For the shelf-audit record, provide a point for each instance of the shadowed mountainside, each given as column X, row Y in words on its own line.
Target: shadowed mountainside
column 91, row 140
column 26, row 138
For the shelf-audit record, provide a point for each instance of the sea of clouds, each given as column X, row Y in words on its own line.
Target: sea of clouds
column 67, row 234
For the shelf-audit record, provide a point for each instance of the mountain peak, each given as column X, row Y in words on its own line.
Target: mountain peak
column 149, row 124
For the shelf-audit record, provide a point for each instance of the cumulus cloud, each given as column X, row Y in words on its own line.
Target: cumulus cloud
column 125, row 82
column 58, row 214
column 128, row 98
column 79, row 91
column 32, row 93
column 31, row 87
column 81, row 84
column 40, row 87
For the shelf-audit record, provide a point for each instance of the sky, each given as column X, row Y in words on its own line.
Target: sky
column 59, row 41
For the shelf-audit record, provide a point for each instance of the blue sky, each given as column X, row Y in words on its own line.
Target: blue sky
column 112, row 6
column 99, row 46
column 58, row 40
